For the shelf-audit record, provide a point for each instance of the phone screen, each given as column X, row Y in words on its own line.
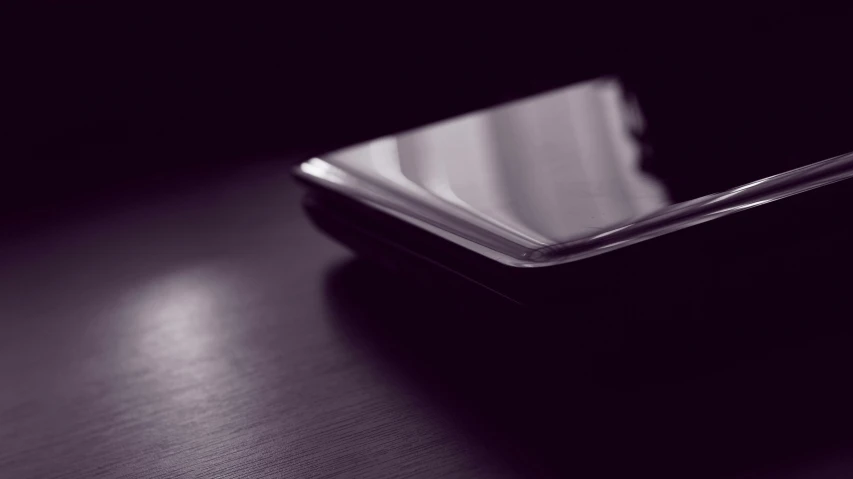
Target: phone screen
column 550, row 178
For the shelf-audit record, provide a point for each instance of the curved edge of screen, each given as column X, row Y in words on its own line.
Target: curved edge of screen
column 511, row 253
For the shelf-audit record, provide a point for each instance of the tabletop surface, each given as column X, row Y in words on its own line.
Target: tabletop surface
column 193, row 337
column 210, row 331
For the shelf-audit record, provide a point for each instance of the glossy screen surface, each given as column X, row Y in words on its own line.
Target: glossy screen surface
column 551, row 178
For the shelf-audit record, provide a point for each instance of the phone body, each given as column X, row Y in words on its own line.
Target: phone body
column 551, row 196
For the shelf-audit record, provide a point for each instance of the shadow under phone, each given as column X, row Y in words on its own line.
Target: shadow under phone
column 700, row 390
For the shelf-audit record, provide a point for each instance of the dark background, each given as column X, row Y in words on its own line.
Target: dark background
column 98, row 98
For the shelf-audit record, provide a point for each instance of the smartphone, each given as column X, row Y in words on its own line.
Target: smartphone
column 557, row 195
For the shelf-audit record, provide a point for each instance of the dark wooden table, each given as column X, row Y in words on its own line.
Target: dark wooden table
column 208, row 330
column 190, row 334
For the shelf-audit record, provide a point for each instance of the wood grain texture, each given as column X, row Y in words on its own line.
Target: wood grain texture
column 210, row 331
column 188, row 335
